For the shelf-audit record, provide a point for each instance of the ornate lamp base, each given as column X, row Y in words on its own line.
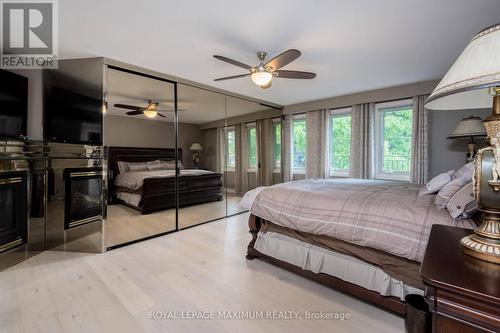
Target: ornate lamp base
column 485, row 242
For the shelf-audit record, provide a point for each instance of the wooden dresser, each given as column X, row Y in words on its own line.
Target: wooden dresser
column 463, row 292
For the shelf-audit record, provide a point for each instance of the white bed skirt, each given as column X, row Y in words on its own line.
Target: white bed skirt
column 319, row 260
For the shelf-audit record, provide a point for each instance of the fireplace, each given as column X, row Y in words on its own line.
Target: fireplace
column 13, row 209
column 82, row 196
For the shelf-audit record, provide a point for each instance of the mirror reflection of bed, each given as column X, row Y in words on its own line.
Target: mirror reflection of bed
column 221, row 140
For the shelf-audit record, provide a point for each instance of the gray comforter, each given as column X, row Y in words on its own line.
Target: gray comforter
column 384, row 215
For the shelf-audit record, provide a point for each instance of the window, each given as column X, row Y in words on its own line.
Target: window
column 252, row 146
column 340, row 142
column 299, row 142
column 393, row 140
column 230, row 149
column 277, row 144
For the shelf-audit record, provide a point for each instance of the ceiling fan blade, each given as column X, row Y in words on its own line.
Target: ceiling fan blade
column 128, row 107
column 294, row 74
column 233, row 62
column 179, row 110
column 283, row 59
column 267, row 85
column 160, row 115
column 231, row 77
column 133, row 113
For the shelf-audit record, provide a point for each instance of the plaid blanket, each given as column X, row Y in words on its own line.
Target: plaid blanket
column 135, row 180
column 384, row 215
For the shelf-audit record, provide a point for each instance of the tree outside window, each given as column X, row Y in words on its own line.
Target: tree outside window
column 299, row 150
column 340, row 144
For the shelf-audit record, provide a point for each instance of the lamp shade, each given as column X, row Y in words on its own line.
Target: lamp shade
column 466, row 84
column 469, row 127
column 196, row 147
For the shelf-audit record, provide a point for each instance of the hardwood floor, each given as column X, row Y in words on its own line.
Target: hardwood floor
column 199, row 269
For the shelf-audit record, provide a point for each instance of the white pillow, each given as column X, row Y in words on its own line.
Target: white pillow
column 436, row 183
column 465, row 171
column 463, row 203
column 444, row 195
column 137, row 167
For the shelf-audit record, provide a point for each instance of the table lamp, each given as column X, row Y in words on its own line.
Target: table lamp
column 470, row 127
column 196, row 147
column 473, row 82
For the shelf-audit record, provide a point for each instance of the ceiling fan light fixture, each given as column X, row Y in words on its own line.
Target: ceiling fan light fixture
column 150, row 113
column 261, row 78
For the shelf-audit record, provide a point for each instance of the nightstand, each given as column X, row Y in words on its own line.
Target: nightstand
column 463, row 292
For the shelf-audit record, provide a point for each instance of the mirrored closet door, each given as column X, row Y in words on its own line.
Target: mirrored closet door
column 202, row 185
column 139, row 139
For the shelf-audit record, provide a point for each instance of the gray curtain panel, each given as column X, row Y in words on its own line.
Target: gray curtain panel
column 287, row 148
column 420, row 141
column 265, row 152
column 243, row 170
column 317, row 152
column 361, row 140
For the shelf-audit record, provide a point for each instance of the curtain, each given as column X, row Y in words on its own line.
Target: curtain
column 317, row 144
column 420, row 141
column 287, row 148
column 361, row 140
column 265, row 146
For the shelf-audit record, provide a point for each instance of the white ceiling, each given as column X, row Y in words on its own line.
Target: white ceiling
column 353, row 45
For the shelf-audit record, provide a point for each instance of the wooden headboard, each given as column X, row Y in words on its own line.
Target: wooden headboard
column 133, row 154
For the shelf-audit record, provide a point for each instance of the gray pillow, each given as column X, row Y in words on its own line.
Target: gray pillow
column 444, row 195
column 463, row 204
column 436, row 183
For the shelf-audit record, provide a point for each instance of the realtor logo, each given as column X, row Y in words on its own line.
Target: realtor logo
column 29, row 34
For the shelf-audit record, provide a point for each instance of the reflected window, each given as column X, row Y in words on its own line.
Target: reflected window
column 252, row 146
column 230, row 138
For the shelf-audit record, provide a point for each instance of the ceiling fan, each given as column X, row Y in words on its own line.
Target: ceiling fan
column 263, row 73
column 150, row 111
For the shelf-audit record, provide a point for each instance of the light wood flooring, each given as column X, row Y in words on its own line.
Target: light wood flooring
column 124, row 224
column 198, row 269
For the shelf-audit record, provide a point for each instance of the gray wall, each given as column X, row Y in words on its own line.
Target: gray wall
column 133, row 132
column 449, row 154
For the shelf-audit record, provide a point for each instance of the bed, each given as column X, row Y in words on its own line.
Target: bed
column 150, row 191
column 363, row 237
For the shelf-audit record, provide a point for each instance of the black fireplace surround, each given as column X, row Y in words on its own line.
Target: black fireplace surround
column 83, row 196
column 13, row 210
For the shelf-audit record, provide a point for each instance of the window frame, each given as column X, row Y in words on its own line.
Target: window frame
column 252, row 125
column 276, row 122
column 336, row 113
column 298, row 117
column 378, row 158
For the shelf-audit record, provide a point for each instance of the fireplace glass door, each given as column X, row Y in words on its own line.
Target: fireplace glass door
column 83, row 196
column 13, row 215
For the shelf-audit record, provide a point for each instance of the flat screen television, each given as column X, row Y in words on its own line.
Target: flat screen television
column 13, row 105
column 71, row 117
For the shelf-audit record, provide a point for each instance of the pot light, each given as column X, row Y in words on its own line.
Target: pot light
column 261, row 78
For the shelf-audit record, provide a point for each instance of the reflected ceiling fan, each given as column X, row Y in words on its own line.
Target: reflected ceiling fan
column 150, row 111
column 263, row 73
